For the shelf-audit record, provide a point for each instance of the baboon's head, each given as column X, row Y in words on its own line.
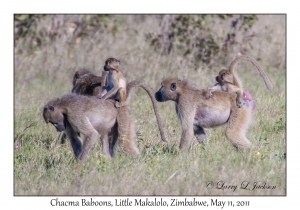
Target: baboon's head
column 55, row 117
column 112, row 64
column 79, row 73
column 224, row 76
column 170, row 90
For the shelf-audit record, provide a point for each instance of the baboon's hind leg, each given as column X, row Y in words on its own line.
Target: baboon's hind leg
column 120, row 98
column 200, row 135
column 237, row 126
column 105, row 145
column 126, row 130
column 113, row 137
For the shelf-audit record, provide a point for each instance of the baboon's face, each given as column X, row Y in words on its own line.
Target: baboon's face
column 168, row 90
column 224, row 76
column 112, row 64
column 55, row 117
column 218, row 79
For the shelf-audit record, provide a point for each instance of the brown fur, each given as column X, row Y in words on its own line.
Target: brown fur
column 116, row 83
column 87, row 83
column 91, row 117
column 129, row 87
column 196, row 112
column 126, row 130
column 151, row 95
column 79, row 73
column 228, row 81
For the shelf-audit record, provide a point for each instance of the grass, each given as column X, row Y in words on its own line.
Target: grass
column 44, row 167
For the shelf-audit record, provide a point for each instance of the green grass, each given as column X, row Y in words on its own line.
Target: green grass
column 44, row 167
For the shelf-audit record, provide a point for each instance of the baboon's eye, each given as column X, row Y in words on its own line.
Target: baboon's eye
column 173, row 86
column 51, row 108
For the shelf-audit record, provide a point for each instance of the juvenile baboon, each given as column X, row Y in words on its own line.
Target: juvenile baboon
column 91, row 117
column 116, row 83
column 87, row 83
column 228, row 81
column 196, row 112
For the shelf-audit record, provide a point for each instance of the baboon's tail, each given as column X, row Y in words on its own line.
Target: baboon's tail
column 255, row 63
column 151, row 95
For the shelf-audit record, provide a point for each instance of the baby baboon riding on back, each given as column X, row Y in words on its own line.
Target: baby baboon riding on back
column 228, row 81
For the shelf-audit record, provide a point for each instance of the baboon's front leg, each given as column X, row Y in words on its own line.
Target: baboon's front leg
column 75, row 140
column 88, row 144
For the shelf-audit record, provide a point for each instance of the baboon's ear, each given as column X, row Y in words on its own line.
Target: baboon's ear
column 173, row 86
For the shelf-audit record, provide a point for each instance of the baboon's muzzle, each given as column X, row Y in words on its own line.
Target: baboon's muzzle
column 218, row 79
column 158, row 96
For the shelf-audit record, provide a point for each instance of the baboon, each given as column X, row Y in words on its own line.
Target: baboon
column 228, row 81
column 129, row 86
column 87, row 83
column 196, row 112
column 91, row 117
column 79, row 73
column 116, row 83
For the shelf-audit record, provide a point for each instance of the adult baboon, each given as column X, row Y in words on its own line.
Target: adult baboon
column 87, row 83
column 196, row 112
column 91, row 117
column 129, row 86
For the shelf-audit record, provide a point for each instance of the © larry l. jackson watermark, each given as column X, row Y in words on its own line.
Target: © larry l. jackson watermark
column 245, row 185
